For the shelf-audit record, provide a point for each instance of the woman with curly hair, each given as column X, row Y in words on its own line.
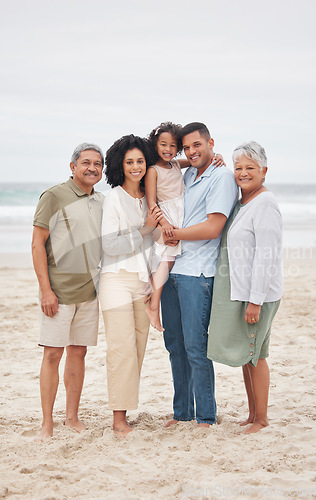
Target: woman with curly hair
column 127, row 228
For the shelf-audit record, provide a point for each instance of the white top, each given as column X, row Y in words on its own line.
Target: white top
column 123, row 247
column 254, row 242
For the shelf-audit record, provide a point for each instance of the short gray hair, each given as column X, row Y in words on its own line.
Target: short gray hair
column 253, row 151
column 85, row 146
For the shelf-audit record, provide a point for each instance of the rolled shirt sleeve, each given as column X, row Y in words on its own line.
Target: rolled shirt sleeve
column 267, row 226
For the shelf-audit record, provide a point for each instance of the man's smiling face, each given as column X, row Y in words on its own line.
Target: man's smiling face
column 88, row 169
column 198, row 150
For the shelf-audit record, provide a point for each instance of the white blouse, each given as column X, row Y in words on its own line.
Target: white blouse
column 123, row 247
column 254, row 242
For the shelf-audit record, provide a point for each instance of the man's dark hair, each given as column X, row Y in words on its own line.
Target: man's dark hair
column 195, row 127
column 114, row 157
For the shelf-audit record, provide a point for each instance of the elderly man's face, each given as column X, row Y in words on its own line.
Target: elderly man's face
column 88, row 170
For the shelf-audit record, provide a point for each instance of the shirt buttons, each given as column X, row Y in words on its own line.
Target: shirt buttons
column 251, row 354
column 252, row 335
column 251, row 345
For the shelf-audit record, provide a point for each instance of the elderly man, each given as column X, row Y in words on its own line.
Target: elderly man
column 210, row 194
column 66, row 251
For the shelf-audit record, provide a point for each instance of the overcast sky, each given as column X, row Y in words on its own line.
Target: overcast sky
column 75, row 71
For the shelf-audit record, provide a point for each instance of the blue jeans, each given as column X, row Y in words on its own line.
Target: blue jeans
column 186, row 306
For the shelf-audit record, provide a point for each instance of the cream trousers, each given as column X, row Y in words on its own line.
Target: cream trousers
column 126, row 328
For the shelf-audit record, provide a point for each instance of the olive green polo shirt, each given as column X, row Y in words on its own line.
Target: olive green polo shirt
column 73, row 247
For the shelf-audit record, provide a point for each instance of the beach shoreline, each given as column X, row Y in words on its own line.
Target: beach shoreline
column 154, row 462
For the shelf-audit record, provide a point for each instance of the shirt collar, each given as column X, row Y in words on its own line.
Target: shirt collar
column 206, row 173
column 77, row 189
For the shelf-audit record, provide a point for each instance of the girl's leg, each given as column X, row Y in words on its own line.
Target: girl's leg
column 260, row 378
column 250, row 396
column 158, row 282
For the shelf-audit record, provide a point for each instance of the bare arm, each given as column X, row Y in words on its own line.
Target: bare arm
column 151, row 187
column 184, row 163
column 207, row 230
column 151, row 195
column 49, row 301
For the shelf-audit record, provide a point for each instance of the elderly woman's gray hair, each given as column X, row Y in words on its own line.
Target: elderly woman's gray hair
column 85, row 146
column 253, row 151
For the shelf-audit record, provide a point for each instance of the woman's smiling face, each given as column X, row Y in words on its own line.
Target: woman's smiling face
column 248, row 174
column 134, row 165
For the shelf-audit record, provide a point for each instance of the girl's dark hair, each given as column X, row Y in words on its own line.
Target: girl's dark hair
column 172, row 128
column 114, row 157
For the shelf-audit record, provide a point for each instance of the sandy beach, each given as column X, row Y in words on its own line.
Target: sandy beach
column 154, row 462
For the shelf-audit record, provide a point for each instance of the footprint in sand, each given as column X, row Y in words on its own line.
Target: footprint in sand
column 30, row 434
column 27, row 471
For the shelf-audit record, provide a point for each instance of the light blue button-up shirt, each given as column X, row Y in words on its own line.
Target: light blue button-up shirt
column 215, row 191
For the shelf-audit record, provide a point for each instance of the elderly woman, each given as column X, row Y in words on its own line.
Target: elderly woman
column 248, row 282
column 127, row 227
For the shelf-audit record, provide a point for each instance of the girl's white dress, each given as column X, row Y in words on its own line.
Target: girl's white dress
column 170, row 198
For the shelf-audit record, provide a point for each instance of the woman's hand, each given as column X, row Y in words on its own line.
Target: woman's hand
column 218, row 160
column 153, row 216
column 252, row 313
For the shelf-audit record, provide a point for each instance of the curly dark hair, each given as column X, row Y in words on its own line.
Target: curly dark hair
column 173, row 128
column 114, row 157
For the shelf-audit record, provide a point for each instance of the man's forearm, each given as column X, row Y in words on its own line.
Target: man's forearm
column 202, row 231
column 41, row 268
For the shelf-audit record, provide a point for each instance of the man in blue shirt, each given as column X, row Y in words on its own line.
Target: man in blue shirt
column 210, row 195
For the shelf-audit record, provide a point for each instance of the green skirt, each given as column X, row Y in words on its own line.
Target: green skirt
column 231, row 340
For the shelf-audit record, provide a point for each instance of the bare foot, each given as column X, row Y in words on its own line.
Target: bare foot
column 122, row 429
column 255, row 427
column 171, row 422
column 45, row 433
column 75, row 425
column 153, row 315
column 204, row 424
column 248, row 421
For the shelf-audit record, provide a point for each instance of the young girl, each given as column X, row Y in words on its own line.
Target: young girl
column 164, row 186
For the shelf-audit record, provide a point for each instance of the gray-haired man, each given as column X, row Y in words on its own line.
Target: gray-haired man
column 66, row 251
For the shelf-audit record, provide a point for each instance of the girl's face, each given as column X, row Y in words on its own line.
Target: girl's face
column 166, row 147
column 134, row 165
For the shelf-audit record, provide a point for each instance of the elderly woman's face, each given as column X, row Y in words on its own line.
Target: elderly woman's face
column 249, row 176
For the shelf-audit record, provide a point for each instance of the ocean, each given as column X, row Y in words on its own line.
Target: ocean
column 18, row 202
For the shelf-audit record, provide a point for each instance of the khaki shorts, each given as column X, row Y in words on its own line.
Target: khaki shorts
column 74, row 324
